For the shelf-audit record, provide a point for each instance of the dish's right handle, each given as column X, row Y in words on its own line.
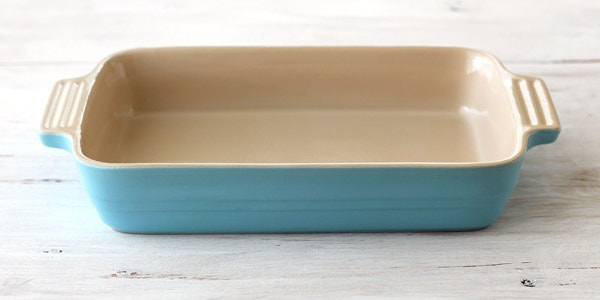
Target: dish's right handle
column 62, row 117
column 538, row 115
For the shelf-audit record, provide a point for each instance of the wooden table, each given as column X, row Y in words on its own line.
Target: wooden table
column 545, row 244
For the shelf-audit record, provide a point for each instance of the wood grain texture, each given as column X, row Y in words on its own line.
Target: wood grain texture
column 53, row 245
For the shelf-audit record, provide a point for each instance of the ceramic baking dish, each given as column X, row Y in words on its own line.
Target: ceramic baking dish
column 299, row 139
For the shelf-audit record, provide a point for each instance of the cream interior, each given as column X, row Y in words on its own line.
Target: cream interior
column 299, row 105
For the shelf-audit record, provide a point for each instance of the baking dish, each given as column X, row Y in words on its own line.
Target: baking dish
column 299, row 139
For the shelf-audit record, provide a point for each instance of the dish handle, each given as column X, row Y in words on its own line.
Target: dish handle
column 538, row 114
column 62, row 117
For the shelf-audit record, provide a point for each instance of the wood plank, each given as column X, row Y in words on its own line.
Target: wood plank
column 56, row 244
column 67, row 31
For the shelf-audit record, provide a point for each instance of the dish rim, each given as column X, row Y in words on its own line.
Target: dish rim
column 71, row 139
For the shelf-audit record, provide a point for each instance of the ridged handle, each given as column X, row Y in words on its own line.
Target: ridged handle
column 538, row 114
column 534, row 103
column 64, row 106
column 63, row 113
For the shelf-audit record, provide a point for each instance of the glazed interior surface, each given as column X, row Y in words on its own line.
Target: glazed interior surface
column 299, row 105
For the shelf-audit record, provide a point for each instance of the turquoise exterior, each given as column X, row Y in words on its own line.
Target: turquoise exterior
column 298, row 199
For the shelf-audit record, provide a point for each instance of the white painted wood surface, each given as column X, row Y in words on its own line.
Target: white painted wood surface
column 52, row 243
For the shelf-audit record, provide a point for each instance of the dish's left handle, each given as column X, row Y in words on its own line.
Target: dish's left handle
column 61, row 121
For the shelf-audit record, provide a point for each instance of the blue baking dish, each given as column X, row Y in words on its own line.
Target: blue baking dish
column 299, row 139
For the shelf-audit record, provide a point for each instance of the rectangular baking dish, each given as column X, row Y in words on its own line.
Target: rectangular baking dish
column 299, row 139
